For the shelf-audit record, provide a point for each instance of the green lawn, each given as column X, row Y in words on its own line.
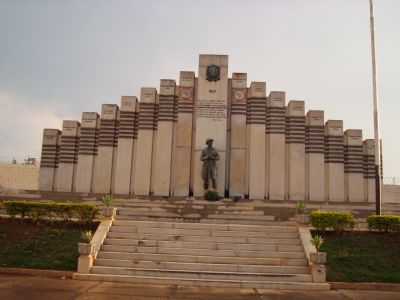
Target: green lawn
column 40, row 246
column 363, row 256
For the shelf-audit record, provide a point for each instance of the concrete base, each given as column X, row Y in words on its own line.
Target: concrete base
column 84, row 174
column 103, row 170
column 334, row 182
column 296, row 172
column 65, row 178
column 276, row 170
column 163, row 158
column 354, row 185
column 143, row 162
column 123, row 166
column 46, row 179
column 315, row 178
column 85, row 263
column 256, row 161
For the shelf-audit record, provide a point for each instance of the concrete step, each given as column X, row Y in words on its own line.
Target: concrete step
column 159, row 212
column 205, row 252
column 202, row 266
column 222, row 227
column 193, row 238
column 201, row 258
column 197, row 202
column 205, row 283
column 277, row 246
column 268, row 231
column 179, row 209
column 199, row 219
column 214, row 275
column 245, row 222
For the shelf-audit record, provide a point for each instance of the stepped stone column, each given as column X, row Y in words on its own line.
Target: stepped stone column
column 144, row 148
column 211, row 116
column 315, row 144
column 369, row 170
column 353, row 166
column 295, row 150
column 88, row 142
column 108, row 139
column 49, row 159
column 238, row 166
column 183, row 134
column 334, row 161
column 256, row 105
column 165, row 133
column 126, row 144
column 275, row 145
column 68, row 156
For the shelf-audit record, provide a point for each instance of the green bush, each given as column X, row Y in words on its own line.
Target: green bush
column 50, row 210
column 211, row 196
column 337, row 221
column 384, row 223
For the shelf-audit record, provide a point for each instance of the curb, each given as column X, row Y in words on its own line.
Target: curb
column 376, row 286
column 37, row 272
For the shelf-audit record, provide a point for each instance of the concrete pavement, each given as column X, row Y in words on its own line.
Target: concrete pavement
column 32, row 288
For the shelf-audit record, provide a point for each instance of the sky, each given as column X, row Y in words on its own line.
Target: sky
column 60, row 58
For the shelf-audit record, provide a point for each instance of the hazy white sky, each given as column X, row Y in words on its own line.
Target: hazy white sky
column 59, row 58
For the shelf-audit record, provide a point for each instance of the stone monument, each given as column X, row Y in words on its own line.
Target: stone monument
column 263, row 147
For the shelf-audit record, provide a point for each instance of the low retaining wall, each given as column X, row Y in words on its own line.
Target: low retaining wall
column 18, row 177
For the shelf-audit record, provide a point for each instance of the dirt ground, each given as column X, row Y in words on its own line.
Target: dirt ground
column 32, row 288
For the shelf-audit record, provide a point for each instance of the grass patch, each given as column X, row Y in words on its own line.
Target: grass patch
column 44, row 245
column 362, row 256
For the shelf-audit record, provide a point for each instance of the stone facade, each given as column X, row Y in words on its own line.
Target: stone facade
column 268, row 149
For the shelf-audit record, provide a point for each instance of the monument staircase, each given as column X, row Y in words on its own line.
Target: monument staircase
column 198, row 243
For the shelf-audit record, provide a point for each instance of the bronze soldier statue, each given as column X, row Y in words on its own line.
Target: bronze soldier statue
column 209, row 157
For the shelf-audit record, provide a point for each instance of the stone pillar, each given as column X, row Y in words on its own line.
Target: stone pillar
column 88, row 143
column 103, row 169
column 211, row 116
column 183, row 134
column 275, row 145
column 369, row 170
column 68, row 156
column 353, row 166
column 256, row 105
column 155, row 142
column 134, row 150
column 49, row 159
column 144, row 148
column 165, row 132
column 315, row 144
column 295, row 150
column 334, row 161
column 238, row 166
column 126, row 143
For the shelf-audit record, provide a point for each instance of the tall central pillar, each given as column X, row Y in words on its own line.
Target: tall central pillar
column 211, row 116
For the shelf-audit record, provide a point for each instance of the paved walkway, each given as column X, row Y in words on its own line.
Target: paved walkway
column 32, row 288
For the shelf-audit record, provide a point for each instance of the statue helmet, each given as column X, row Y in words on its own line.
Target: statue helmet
column 209, row 140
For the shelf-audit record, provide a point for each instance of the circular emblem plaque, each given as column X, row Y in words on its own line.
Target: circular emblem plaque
column 186, row 94
column 213, row 73
column 239, row 95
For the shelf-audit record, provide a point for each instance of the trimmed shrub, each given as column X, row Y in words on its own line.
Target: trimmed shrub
column 337, row 221
column 50, row 210
column 211, row 196
column 384, row 223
